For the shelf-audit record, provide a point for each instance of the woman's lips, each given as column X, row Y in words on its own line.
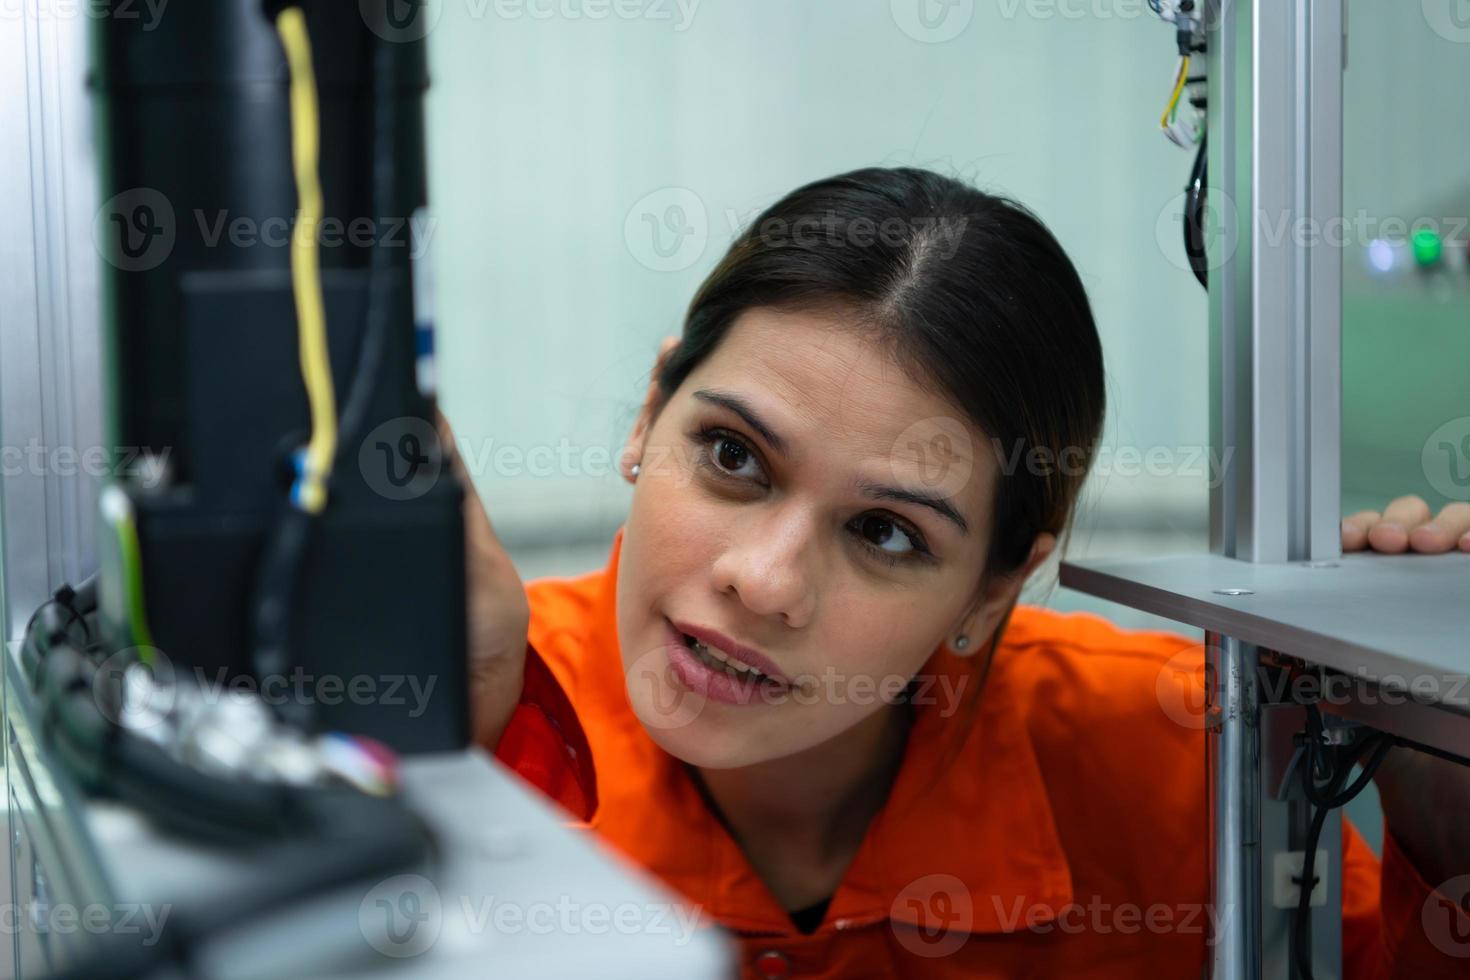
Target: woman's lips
column 748, row 656
column 713, row 684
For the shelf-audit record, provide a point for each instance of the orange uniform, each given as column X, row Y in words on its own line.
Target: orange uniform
column 1068, row 839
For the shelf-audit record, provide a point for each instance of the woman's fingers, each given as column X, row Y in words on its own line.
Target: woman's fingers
column 1409, row 511
column 1355, row 529
column 499, row 610
column 1447, row 531
column 1391, row 534
column 1406, row 525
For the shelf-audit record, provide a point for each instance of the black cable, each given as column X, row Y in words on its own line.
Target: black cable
column 279, row 572
column 75, row 602
column 1431, row 750
column 278, row 584
column 1306, row 884
column 84, row 594
column 71, row 693
column 303, row 841
column 378, row 325
column 1194, row 218
column 1335, row 797
column 1338, row 768
column 1381, row 745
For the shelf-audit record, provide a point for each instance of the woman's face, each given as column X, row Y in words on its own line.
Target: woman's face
column 782, row 542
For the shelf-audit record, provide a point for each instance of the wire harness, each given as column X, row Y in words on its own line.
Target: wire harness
column 306, row 821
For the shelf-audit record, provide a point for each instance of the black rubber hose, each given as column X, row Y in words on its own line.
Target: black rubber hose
column 1194, row 218
column 378, row 326
column 278, row 582
column 1334, row 797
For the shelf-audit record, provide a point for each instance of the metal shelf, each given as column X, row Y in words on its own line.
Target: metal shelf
column 1392, row 620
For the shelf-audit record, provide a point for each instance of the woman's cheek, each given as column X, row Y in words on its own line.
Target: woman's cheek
column 677, row 522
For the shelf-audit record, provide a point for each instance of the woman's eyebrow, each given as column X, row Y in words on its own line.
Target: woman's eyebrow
column 873, row 491
column 741, row 408
column 939, row 505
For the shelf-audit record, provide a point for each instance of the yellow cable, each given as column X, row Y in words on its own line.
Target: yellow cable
column 306, row 283
column 1178, row 88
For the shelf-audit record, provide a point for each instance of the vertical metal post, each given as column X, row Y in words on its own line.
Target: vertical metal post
column 50, row 406
column 1275, row 115
column 1233, row 761
column 1275, row 258
column 50, row 376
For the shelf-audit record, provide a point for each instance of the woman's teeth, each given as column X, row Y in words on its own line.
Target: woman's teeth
column 716, row 660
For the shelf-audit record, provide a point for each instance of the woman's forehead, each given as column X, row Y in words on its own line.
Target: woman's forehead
column 825, row 369
column 836, row 395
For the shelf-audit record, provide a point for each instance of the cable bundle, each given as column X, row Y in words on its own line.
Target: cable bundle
column 306, row 840
column 1323, row 772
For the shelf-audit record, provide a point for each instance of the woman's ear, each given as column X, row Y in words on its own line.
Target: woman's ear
column 633, row 448
column 998, row 595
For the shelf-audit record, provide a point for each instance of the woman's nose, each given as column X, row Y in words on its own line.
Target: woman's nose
column 769, row 567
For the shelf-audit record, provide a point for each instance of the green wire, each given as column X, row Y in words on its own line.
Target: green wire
column 127, row 533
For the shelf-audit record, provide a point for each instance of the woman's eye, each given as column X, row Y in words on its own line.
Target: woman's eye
column 889, row 539
column 881, row 533
column 730, row 455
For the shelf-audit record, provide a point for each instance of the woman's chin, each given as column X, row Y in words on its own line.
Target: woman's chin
column 695, row 744
column 691, row 743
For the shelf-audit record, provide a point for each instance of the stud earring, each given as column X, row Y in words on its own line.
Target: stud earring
column 961, row 641
column 634, row 470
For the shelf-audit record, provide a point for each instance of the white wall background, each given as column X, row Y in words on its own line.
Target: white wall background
column 548, row 133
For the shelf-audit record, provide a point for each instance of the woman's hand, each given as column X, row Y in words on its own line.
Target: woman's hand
column 499, row 613
column 1405, row 526
column 1426, row 807
column 1426, row 800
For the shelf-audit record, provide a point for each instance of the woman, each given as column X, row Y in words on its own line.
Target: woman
column 802, row 692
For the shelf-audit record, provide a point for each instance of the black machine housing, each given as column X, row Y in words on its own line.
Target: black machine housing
column 194, row 147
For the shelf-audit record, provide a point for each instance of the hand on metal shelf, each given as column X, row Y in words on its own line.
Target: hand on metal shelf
column 1405, row 525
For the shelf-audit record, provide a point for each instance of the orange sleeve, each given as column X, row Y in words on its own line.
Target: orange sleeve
column 1393, row 923
column 545, row 745
column 1363, row 956
column 1426, row 932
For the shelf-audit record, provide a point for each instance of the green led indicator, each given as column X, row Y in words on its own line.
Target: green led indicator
column 1427, row 247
